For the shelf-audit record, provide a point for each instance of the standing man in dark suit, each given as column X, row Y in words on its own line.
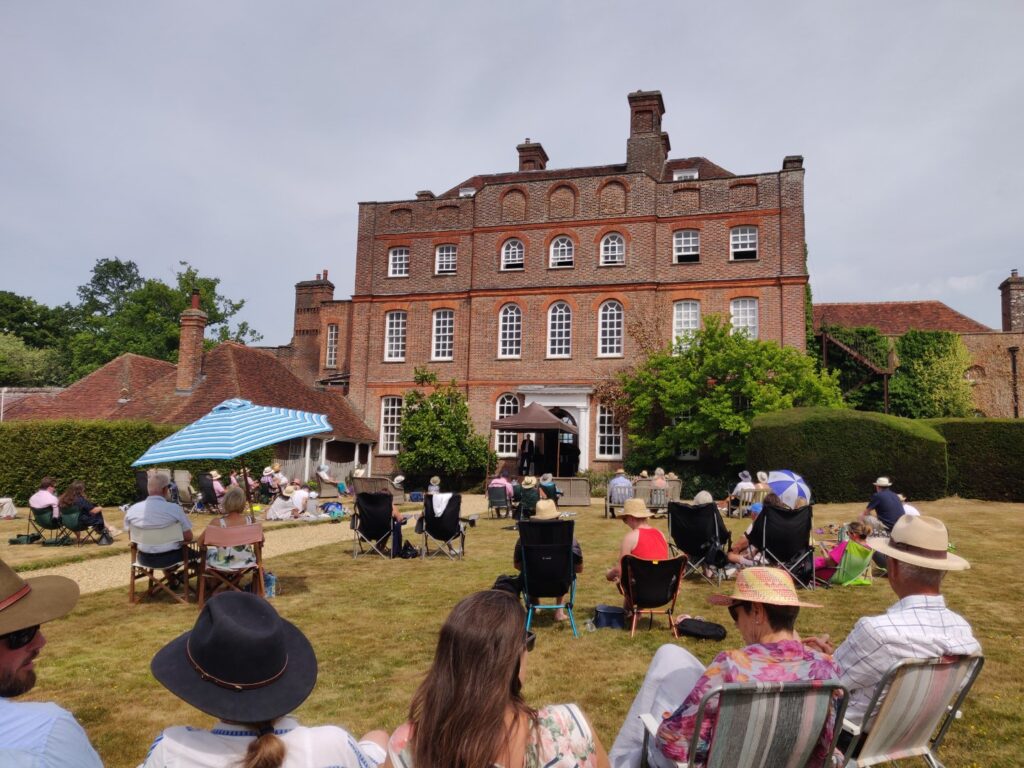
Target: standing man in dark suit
column 526, row 450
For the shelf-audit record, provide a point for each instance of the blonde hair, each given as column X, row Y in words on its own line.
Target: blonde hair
column 266, row 750
column 233, row 501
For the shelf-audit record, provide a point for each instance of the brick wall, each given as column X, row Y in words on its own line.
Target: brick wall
column 990, row 373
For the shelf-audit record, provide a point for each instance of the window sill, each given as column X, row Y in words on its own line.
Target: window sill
column 561, row 266
column 509, row 357
column 558, row 357
column 512, row 269
column 616, row 356
column 743, row 260
column 398, row 277
column 442, row 359
column 396, row 360
column 616, row 457
column 676, row 262
column 618, row 264
column 387, row 453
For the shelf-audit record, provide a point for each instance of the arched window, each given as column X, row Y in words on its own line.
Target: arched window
column 513, row 254
column 559, row 330
column 562, row 252
column 443, row 342
column 510, row 331
column 610, row 322
column 685, row 323
column 613, row 249
column 743, row 243
column 686, row 246
column 743, row 314
column 394, row 335
column 505, row 443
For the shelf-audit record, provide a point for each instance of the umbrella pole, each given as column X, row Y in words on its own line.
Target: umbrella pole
column 245, row 487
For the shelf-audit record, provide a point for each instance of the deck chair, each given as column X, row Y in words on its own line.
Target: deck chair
column 760, row 725
column 207, row 496
column 73, row 524
column 444, row 530
column 616, row 497
column 49, row 527
column 213, row 579
column 371, row 522
column 186, row 493
column 698, row 531
column 528, row 503
column 747, row 498
column 915, row 699
column 497, row 500
column 783, row 538
column 650, row 585
column 658, row 500
column 854, row 567
column 548, row 568
column 171, row 579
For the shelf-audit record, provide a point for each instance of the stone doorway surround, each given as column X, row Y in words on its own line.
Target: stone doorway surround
column 575, row 400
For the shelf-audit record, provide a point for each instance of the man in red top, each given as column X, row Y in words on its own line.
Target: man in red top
column 642, row 541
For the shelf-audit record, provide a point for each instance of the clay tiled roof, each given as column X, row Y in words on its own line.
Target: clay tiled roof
column 895, row 318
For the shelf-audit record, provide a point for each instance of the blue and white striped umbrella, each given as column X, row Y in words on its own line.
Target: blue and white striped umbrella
column 788, row 486
column 232, row 428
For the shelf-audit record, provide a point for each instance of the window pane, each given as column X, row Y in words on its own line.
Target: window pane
column 331, row 356
column 505, row 443
column 613, row 249
column 560, row 330
column 743, row 243
column 390, row 424
column 562, row 252
column 445, row 259
column 610, row 329
column 685, row 322
column 510, row 333
column 444, row 335
column 744, row 316
column 512, row 254
column 394, row 336
column 686, row 246
column 609, row 434
column 398, row 262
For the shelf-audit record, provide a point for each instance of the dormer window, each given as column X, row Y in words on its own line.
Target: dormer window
column 685, row 174
column 467, row 191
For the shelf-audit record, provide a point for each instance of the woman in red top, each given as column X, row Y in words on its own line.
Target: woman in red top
column 642, row 541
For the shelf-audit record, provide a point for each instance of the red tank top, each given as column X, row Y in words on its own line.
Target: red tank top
column 651, row 545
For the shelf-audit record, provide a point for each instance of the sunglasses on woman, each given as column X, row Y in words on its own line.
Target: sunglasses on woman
column 19, row 638
column 734, row 610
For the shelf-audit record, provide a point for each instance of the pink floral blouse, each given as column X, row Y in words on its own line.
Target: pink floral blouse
column 788, row 660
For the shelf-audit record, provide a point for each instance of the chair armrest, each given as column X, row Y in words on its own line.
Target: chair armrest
column 851, row 728
column 650, row 723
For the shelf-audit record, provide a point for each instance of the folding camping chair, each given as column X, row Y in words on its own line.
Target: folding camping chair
column 911, row 701
column 497, row 500
column 186, row 493
column 548, row 566
column 371, row 521
column 71, row 519
column 213, row 579
column 49, row 527
column 528, row 499
column 175, row 574
column 699, row 531
column 649, row 585
column 759, row 724
column 444, row 529
column 854, row 567
column 207, row 496
column 617, row 496
column 783, row 537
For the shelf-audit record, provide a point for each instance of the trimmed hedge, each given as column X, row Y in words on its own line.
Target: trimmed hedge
column 985, row 457
column 840, row 452
column 99, row 453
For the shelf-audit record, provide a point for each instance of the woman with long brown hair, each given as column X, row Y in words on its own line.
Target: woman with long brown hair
column 469, row 712
column 89, row 514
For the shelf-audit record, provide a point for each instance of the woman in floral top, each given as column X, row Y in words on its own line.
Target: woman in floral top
column 469, row 712
column 230, row 558
column 764, row 606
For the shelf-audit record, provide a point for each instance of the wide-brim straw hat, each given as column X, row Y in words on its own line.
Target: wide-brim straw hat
column 546, row 477
column 745, row 476
column 620, row 471
column 919, row 540
column 268, row 470
column 359, row 472
column 883, row 482
column 215, row 475
column 635, row 508
column 529, row 481
column 241, row 662
column 28, row 602
column 643, row 473
column 546, row 510
column 288, row 490
column 435, row 480
column 276, row 467
column 762, row 477
column 772, row 586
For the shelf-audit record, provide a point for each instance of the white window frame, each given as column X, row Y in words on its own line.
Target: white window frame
column 442, row 342
column 611, row 323
column 613, row 250
column 559, row 331
column 390, row 425
column 331, row 351
column 685, row 322
column 685, row 174
column 562, row 253
column 398, row 262
column 510, row 332
column 513, row 255
column 743, row 316
column 446, row 259
column 609, row 435
column 506, row 444
column 743, row 240
column 686, row 246
column 395, row 324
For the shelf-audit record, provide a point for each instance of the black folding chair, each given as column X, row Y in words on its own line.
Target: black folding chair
column 141, row 485
column 699, row 531
column 548, row 566
column 208, row 496
column 371, row 521
column 783, row 537
column 444, row 530
column 649, row 585
column 49, row 528
column 497, row 500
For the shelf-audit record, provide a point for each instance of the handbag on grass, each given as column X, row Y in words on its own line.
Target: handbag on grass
column 700, row 629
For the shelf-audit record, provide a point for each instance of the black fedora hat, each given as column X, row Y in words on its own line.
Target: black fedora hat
column 240, row 662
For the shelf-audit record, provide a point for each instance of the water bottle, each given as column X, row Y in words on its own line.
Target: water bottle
column 269, row 585
column 589, row 626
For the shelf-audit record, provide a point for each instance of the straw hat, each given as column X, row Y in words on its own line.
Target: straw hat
column 762, row 477
column 883, row 482
column 672, row 476
column 435, row 480
column 620, row 471
column 919, row 540
column 643, row 473
column 215, row 475
column 762, row 585
column 276, row 467
column 529, row 481
column 546, row 477
column 745, row 476
column 546, row 510
column 287, row 491
column 268, row 470
column 635, row 508
column 359, row 472
column 27, row 602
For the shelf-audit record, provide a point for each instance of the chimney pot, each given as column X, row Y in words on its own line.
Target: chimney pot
column 792, row 162
column 424, row 194
column 195, row 298
column 325, row 273
column 1013, row 273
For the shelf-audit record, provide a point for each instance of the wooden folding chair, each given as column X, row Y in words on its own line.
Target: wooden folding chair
column 213, row 579
column 174, row 574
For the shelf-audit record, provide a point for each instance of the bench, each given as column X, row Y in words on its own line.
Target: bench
column 575, row 491
column 371, row 485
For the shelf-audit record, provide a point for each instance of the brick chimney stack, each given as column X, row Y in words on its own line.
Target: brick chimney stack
column 190, row 347
column 648, row 146
column 532, row 156
column 1012, row 290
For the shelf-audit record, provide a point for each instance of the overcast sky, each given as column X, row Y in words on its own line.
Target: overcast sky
column 240, row 136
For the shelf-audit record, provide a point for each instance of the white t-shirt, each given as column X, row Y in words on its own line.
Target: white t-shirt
column 156, row 512
column 743, row 485
column 300, row 498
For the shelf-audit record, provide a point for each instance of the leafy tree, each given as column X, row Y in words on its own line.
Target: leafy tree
column 929, row 382
column 25, row 366
column 110, row 286
column 437, row 436
column 706, row 395
column 36, row 324
column 862, row 389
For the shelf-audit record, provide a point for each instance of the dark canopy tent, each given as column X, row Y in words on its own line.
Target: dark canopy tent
column 535, row 418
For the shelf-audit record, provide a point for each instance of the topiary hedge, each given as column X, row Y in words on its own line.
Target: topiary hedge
column 100, row 453
column 985, row 457
column 840, row 452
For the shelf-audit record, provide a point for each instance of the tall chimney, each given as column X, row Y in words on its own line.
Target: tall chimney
column 190, row 346
column 1012, row 290
column 532, row 156
column 648, row 146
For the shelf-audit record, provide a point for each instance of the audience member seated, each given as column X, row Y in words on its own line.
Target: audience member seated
column 825, row 567
column 762, row 482
column 529, row 495
column 502, row 481
column 300, row 498
column 46, row 496
column 89, row 514
column 246, row 666
column 218, row 486
column 234, row 478
column 435, row 485
column 324, row 476
column 241, row 556
column 745, row 484
column 279, row 476
column 546, row 511
column 619, row 481
column 884, row 504
column 742, row 554
column 659, row 479
column 764, row 606
column 642, row 541
column 155, row 511
column 548, row 489
column 907, row 508
column 470, row 709
column 283, row 508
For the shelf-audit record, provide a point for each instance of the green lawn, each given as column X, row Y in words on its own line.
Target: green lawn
column 374, row 623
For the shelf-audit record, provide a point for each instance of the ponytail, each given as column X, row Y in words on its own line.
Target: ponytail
column 266, row 750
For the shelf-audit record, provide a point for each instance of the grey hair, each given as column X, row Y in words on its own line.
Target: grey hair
column 918, row 574
column 157, row 482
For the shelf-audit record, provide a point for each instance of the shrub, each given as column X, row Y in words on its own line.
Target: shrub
column 840, row 452
column 100, row 453
column 985, row 457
